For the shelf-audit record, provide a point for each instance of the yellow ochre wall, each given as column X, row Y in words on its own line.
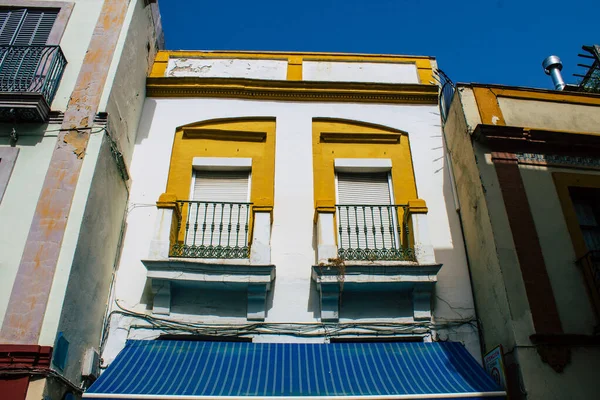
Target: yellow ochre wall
column 236, row 137
column 353, row 139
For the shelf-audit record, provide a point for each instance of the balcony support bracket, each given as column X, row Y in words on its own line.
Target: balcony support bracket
column 330, row 301
column 162, row 297
column 257, row 298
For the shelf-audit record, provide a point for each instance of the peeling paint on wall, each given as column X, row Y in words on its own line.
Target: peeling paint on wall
column 29, row 297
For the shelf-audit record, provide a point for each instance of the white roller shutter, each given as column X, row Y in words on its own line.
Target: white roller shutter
column 365, row 218
column 363, row 188
column 217, row 217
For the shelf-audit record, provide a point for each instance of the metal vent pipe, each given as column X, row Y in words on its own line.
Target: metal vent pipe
column 552, row 66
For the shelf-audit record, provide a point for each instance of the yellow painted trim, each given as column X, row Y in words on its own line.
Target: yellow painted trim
column 489, row 109
column 227, row 137
column 324, row 154
column 167, row 200
column 290, row 90
column 294, row 72
column 224, row 134
column 424, row 64
column 488, row 106
column 262, row 208
column 338, row 137
column 417, row 206
column 542, row 95
column 160, row 64
column 562, row 181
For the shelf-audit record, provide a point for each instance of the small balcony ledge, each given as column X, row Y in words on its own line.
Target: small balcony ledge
column 29, row 79
column 387, row 244
column 185, row 228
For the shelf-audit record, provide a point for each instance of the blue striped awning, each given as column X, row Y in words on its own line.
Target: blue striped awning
column 156, row 369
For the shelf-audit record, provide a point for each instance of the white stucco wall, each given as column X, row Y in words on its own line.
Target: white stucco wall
column 227, row 68
column 20, row 199
column 294, row 297
column 337, row 71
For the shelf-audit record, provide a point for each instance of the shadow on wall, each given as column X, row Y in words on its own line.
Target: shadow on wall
column 212, row 301
column 376, row 305
column 146, row 119
column 27, row 134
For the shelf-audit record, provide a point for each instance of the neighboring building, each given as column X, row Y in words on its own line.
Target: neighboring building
column 527, row 170
column 325, row 170
column 72, row 86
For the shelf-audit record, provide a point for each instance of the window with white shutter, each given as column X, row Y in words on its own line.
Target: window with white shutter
column 366, row 216
column 219, row 209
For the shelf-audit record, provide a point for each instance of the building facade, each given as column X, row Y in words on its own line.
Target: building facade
column 525, row 163
column 72, row 85
column 286, row 199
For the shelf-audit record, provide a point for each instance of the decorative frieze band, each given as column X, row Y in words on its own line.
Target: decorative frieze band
column 559, row 160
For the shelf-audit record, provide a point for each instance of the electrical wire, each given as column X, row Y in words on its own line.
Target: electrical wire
column 297, row 329
column 41, row 372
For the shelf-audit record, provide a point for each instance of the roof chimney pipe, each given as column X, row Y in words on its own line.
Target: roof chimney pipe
column 552, row 66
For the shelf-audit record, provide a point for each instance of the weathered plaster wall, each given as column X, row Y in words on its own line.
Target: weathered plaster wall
column 493, row 305
column 87, row 290
column 21, row 196
column 125, row 89
column 550, row 115
column 336, row 71
column 294, row 297
column 227, row 68
column 574, row 306
column 579, row 381
column 497, row 280
column 84, row 270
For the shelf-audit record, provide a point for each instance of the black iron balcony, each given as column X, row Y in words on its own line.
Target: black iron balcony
column 29, row 78
column 373, row 233
column 212, row 230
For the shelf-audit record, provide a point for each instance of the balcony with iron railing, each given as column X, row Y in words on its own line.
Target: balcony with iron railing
column 365, row 246
column 373, row 232
column 29, row 79
column 208, row 243
column 216, row 230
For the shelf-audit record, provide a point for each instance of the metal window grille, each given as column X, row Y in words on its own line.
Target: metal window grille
column 369, row 225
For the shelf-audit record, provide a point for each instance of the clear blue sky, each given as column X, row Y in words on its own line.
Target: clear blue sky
column 487, row 41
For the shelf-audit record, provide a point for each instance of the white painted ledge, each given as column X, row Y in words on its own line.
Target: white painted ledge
column 362, row 164
column 160, row 244
column 326, row 247
column 423, row 247
column 260, row 252
column 222, row 163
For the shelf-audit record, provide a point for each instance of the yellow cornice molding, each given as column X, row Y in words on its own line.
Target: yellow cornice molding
column 223, row 134
column 291, row 90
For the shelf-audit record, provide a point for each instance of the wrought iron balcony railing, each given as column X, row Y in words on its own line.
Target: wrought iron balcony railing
column 212, row 230
column 373, row 232
column 30, row 70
